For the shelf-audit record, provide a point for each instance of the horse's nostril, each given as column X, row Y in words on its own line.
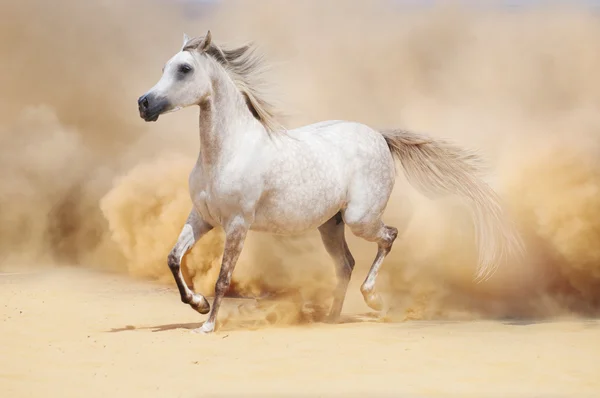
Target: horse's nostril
column 143, row 102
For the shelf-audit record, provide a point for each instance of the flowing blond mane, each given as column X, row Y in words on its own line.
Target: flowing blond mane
column 245, row 66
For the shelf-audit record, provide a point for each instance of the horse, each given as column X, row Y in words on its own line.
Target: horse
column 252, row 174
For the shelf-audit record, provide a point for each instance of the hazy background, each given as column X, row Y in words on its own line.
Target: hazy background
column 85, row 182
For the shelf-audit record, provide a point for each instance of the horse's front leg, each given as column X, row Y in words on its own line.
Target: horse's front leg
column 235, row 235
column 195, row 228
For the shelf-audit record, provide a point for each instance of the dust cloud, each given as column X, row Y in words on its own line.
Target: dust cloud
column 86, row 182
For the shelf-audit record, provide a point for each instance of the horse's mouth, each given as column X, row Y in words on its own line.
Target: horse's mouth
column 150, row 118
column 150, row 115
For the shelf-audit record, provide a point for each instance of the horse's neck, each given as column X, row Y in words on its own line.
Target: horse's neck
column 225, row 122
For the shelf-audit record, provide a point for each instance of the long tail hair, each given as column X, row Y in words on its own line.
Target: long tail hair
column 436, row 167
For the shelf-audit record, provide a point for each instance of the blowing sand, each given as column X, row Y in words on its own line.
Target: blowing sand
column 75, row 333
column 84, row 182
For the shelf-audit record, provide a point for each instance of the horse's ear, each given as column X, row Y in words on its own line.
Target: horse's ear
column 205, row 43
column 186, row 38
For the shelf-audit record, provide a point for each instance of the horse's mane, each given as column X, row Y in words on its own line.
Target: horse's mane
column 244, row 65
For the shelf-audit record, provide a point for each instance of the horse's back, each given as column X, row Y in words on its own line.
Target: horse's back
column 351, row 144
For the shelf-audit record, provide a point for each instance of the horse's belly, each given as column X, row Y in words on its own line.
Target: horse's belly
column 293, row 214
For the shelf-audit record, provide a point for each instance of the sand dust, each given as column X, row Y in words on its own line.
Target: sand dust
column 74, row 333
column 92, row 200
column 520, row 87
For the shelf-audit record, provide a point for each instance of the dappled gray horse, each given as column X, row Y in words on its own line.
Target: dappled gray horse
column 252, row 174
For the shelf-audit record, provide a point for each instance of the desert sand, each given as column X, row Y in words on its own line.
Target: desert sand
column 75, row 333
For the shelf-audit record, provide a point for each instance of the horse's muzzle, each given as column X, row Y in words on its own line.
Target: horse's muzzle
column 151, row 107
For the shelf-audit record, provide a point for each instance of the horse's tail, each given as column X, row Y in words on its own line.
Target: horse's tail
column 436, row 168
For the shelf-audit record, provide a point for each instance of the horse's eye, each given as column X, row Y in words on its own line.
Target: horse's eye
column 185, row 69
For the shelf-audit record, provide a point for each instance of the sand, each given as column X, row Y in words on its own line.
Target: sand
column 73, row 333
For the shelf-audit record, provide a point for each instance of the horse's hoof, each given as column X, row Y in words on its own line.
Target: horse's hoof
column 206, row 328
column 200, row 304
column 373, row 300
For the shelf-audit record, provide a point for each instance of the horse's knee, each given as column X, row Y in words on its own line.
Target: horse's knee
column 173, row 262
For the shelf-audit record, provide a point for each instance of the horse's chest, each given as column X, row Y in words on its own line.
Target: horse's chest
column 218, row 200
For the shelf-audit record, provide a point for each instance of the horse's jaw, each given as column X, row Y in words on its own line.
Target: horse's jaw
column 175, row 109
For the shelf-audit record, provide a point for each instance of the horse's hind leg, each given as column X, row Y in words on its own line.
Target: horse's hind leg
column 332, row 234
column 385, row 240
column 368, row 225
column 195, row 228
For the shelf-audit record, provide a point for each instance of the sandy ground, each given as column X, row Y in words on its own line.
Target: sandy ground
column 75, row 333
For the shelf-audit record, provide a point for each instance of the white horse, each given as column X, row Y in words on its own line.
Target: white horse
column 252, row 174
